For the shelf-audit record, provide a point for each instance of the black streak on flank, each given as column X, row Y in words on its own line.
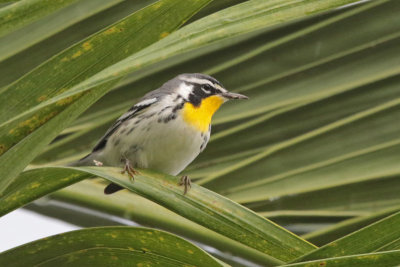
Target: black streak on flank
column 170, row 118
column 103, row 141
column 134, row 148
column 149, row 115
column 205, row 139
column 162, row 110
column 178, row 107
column 177, row 98
column 130, row 130
column 117, row 141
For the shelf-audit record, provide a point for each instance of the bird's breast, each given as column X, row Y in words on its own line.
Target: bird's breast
column 200, row 116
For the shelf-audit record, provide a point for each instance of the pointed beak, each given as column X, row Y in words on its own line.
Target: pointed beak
column 230, row 95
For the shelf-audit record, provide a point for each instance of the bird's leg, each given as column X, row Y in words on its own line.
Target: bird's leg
column 185, row 181
column 129, row 169
column 112, row 188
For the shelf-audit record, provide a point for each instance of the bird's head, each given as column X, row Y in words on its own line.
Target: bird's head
column 196, row 87
column 203, row 95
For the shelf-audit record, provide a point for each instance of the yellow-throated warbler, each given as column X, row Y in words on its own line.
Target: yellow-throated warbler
column 165, row 131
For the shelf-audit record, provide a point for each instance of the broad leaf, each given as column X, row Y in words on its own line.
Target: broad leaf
column 329, row 234
column 365, row 240
column 390, row 258
column 23, row 135
column 199, row 205
column 13, row 17
column 109, row 246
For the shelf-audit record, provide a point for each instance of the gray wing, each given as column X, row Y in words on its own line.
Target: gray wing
column 147, row 100
column 132, row 112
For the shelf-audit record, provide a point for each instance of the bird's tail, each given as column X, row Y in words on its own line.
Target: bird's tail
column 85, row 161
column 89, row 161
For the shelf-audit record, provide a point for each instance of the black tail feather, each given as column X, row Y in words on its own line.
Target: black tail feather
column 112, row 188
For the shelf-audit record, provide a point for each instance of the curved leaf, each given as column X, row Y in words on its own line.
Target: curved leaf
column 366, row 240
column 89, row 194
column 390, row 258
column 109, row 246
column 15, row 16
column 239, row 19
column 201, row 206
column 22, row 136
column 20, row 40
column 329, row 234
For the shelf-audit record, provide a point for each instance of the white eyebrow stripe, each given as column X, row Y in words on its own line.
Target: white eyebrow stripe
column 222, row 89
column 197, row 80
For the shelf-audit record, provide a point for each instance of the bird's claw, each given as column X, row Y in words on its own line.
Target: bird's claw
column 129, row 170
column 186, row 182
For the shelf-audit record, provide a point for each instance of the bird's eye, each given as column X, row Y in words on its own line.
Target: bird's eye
column 207, row 87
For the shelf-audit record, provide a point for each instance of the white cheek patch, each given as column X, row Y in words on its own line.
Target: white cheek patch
column 184, row 90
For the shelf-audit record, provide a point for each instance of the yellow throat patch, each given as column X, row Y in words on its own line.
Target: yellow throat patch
column 200, row 116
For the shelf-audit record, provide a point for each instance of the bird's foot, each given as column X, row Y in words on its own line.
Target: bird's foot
column 185, row 181
column 129, row 170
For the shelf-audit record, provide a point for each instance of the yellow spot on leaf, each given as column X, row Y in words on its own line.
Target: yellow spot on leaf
column 190, row 251
column 164, row 34
column 157, row 5
column 29, row 125
column 2, row 149
column 35, row 185
column 77, row 54
column 111, row 30
column 62, row 90
column 64, row 59
column 66, row 101
column 42, row 98
column 87, row 46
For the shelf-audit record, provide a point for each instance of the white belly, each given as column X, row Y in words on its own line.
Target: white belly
column 163, row 146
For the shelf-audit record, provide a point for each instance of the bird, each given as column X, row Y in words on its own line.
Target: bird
column 165, row 131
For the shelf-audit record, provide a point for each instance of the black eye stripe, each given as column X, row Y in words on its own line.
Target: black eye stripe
column 207, row 87
column 201, row 91
column 198, row 93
